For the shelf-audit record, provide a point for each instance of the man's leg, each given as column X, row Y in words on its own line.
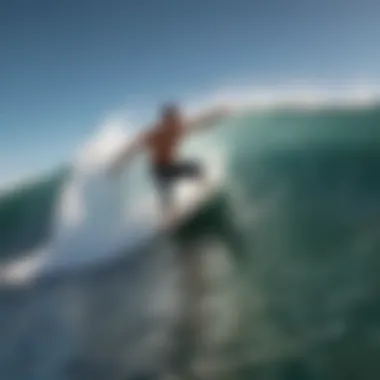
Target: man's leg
column 190, row 169
column 166, row 178
column 167, row 200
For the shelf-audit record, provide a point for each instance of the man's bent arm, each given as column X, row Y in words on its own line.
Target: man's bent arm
column 128, row 152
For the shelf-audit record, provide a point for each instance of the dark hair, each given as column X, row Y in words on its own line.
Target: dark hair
column 169, row 109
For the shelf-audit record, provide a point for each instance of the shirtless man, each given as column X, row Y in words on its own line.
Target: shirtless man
column 162, row 142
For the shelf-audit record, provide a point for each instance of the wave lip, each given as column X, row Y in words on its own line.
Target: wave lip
column 243, row 98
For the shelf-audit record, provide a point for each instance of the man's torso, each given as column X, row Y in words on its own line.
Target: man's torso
column 163, row 145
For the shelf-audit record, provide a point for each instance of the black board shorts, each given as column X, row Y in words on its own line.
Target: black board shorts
column 166, row 175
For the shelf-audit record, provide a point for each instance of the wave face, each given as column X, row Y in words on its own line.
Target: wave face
column 288, row 249
column 26, row 214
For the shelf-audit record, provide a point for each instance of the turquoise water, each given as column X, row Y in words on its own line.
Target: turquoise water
column 289, row 254
column 26, row 214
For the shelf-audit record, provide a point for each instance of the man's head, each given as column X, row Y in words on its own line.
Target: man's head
column 171, row 114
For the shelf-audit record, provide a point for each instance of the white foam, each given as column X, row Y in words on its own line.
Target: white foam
column 95, row 217
column 107, row 223
column 301, row 96
column 90, row 215
column 22, row 271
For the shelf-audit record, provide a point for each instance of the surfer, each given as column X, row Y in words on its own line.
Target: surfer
column 162, row 141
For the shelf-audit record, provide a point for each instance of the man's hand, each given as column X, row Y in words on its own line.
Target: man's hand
column 221, row 112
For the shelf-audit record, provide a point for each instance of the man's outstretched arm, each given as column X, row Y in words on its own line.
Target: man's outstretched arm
column 207, row 118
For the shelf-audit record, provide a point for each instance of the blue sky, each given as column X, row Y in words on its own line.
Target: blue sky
column 65, row 65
